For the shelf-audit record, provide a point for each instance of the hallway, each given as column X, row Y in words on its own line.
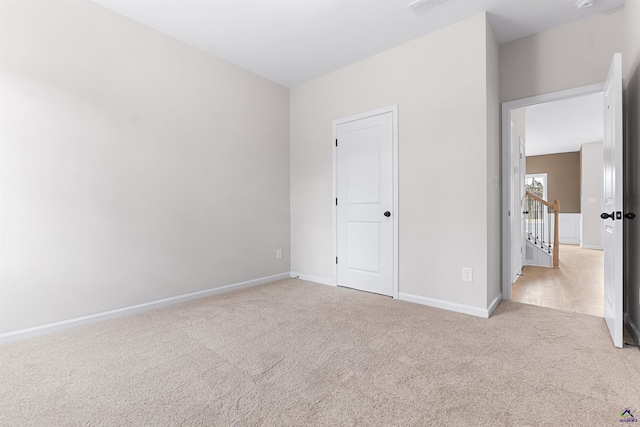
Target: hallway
column 576, row 286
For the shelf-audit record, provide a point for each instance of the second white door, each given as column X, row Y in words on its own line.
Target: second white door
column 612, row 202
column 365, row 200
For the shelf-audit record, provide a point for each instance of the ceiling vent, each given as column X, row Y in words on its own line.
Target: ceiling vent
column 581, row 4
column 420, row 7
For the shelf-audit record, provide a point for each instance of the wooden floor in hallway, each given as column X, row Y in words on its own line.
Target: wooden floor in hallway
column 577, row 285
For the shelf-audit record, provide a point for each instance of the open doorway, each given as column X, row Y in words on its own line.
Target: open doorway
column 556, row 156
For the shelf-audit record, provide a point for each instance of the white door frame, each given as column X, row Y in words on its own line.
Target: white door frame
column 507, row 167
column 522, row 180
column 393, row 109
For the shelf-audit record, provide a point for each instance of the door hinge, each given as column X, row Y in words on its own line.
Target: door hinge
column 336, row 260
column 336, row 142
column 336, row 201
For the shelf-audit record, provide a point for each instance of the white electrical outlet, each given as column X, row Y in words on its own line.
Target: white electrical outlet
column 467, row 274
column 278, row 253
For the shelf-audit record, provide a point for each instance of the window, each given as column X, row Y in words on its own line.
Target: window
column 537, row 184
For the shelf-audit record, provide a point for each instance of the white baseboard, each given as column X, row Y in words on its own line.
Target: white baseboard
column 309, row 278
column 451, row 306
column 494, row 304
column 125, row 311
column 598, row 248
column 516, row 277
column 632, row 327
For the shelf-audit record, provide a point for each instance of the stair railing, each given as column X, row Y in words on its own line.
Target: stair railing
column 538, row 224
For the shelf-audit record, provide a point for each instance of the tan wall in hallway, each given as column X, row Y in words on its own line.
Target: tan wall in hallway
column 563, row 178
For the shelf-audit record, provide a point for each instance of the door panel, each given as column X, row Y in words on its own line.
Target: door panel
column 363, row 246
column 612, row 202
column 363, row 165
column 365, row 239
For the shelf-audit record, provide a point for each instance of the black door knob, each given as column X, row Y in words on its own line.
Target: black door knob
column 387, row 214
column 525, row 212
column 607, row 215
column 630, row 215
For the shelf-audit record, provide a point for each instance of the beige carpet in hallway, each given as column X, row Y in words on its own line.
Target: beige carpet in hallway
column 298, row 353
column 576, row 286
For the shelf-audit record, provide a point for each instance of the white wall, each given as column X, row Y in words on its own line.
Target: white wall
column 631, row 38
column 446, row 164
column 572, row 55
column 591, row 158
column 134, row 167
column 631, row 78
column 494, row 220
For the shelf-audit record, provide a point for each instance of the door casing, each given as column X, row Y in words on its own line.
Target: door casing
column 523, row 171
column 507, row 167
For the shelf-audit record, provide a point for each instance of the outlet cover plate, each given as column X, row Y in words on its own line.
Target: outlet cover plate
column 467, row 274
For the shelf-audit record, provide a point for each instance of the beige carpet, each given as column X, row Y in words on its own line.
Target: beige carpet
column 297, row 353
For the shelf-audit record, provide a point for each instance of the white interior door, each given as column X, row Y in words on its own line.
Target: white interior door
column 612, row 201
column 365, row 201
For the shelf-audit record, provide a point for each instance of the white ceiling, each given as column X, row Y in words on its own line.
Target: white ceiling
column 293, row 41
column 563, row 126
